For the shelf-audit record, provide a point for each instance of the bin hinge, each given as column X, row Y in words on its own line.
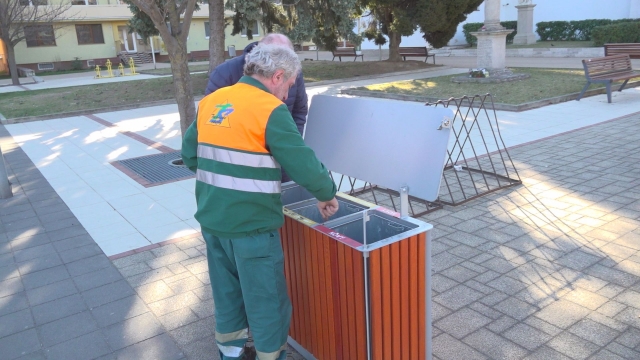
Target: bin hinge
column 446, row 123
column 365, row 254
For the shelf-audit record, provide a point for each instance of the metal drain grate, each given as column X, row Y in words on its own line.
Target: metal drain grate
column 153, row 170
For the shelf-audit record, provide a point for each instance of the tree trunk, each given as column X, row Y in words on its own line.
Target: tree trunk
column 216, row 36
column 182, row 84
column 13, row 66
column 394, row 45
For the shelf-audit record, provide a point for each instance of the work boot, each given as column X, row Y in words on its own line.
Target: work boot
column 249, row 353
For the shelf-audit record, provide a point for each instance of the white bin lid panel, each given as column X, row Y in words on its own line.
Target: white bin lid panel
column 384, row 142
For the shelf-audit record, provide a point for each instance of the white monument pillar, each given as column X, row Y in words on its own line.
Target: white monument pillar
column 492, row 15
column 525, row 33
column 492, row 39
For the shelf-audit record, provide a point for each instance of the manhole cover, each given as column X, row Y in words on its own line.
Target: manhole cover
column 153, row 170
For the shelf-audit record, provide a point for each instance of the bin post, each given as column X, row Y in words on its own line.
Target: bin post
column 365, row 254
column 404, row 202
column 5, row 187
column 429, row 336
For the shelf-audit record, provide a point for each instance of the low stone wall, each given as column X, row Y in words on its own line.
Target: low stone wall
column 583, row 53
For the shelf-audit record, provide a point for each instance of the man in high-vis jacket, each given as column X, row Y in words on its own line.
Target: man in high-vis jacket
column 229, row 72
column 243, row 134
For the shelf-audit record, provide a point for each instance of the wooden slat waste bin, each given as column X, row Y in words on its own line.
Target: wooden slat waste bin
column 351, row 300
column 360, row 282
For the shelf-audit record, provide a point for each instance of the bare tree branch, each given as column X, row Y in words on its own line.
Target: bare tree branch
column 188, row 15
column 18, row 16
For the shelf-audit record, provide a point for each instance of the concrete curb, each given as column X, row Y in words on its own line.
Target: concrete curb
column 496, row 106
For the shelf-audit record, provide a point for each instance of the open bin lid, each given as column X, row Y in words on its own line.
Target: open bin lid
column 384, row 142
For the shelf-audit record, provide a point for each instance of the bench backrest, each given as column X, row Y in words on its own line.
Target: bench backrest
column 412, row 50
column 607, row 65
column 344, row 51
column 631, row 49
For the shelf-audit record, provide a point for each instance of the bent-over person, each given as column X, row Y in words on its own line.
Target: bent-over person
column 243, row 134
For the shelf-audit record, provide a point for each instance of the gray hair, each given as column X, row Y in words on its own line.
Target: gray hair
column 277, row 39
column 265, row 59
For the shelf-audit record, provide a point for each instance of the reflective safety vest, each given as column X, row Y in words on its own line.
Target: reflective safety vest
column 236, row 145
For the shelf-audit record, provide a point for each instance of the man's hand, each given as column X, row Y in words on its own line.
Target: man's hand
column 328, row 208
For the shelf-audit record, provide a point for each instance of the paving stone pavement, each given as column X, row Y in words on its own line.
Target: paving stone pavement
column 549, row 269
column 554, row 270
column 62, row 298
column 546, row 270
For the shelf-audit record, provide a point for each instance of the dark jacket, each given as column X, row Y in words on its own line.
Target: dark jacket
column 229, row 72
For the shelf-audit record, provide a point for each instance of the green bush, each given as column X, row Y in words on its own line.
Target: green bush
column 76, row 64
column 468, row 28
column 580, row 30
column 628, row 32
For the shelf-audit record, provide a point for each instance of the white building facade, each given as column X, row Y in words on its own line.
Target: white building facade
column 545, row 10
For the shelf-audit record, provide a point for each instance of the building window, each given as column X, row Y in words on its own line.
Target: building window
column 84, row 2
column 207, row 30
column 254, row 31
column 89, row 34
column 32, row 2
column 40, row 35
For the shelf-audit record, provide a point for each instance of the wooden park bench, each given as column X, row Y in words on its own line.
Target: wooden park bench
column 631, row 49
column 606, row 70
column 418, row 51
column 346, row 51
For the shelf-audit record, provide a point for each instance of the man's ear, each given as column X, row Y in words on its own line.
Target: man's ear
column 278, row 76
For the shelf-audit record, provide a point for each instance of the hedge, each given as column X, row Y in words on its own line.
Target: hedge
column 573, row 30
column 468, row 28
column 619, row 33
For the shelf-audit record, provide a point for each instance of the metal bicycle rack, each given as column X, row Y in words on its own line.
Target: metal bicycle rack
column 478, row 163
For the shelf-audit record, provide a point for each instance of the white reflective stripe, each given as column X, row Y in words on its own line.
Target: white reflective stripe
column 236, row 335
column 237, row 158
column 231, row 351
column 234, row 183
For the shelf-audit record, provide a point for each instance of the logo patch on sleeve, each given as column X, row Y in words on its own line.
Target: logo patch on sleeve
column 221, row 117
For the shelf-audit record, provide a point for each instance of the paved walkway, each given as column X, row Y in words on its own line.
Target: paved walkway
column 532, row 272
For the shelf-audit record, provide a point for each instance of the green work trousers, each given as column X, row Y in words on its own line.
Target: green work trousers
column 249, row 291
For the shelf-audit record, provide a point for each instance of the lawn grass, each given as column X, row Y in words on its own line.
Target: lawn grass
column 53, row 101
column 60, row 100
column 543, row 84
column 328, row 70
column 167, row 71
column 331, row 70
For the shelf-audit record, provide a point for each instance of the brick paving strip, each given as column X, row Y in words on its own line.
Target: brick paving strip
column 134, row 136
column 547, row 270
